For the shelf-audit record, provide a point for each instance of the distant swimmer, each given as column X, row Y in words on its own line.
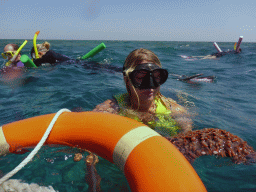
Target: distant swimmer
column 198, row 78
column 12, row 55
column 45, row 55
column 13, row 68
column 213, row 55
column 236, row 50
column 220, row 53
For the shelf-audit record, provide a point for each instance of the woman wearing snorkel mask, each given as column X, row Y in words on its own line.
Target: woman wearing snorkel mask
column 45, row 55
column 143, row 77
column 9, row 53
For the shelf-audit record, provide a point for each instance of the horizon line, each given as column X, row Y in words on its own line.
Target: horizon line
column 128, row 40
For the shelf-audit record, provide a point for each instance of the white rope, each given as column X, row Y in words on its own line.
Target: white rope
column 36, row 149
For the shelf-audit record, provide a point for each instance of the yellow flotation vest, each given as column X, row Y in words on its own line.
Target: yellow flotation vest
column 163, row 122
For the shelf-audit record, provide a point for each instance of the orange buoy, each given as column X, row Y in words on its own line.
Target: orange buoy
column 149, row 161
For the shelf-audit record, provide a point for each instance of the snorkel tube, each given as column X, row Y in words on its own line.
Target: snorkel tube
column 235, row 46
column 16, row 53
column 217, row 47
column 94, row 51
column 239, row 43
column 34, row 44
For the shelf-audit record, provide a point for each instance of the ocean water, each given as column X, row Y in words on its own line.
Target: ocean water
column 228, row 103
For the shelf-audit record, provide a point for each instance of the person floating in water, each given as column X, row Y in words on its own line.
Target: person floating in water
column 220, row 53
column 9, row 54
column 46, row 55
column 143, row 76
column 198, row 78
column 213, row 55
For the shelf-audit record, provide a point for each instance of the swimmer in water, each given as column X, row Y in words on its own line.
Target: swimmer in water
column 220, row 54
column 215, row 55
column 46, row 55
column 9, row 51
column 143, row 77
column 198, row 78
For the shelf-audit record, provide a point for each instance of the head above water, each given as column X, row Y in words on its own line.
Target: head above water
column 11, row 47
column 9, row 51
column 148, row 76
column 138, row 56
column 143, row 69
column 41, row 49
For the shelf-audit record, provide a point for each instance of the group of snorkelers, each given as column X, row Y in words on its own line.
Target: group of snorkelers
column 45, row 55
column 40, row 54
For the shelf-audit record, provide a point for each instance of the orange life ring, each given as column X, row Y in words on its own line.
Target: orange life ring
column 152, row 163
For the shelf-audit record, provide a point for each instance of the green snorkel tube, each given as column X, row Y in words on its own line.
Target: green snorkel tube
column 16, row 53
column 25, row 59
column 94, row 51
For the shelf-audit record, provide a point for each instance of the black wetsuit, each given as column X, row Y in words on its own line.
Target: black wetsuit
column 51, row 57
column 220, row 54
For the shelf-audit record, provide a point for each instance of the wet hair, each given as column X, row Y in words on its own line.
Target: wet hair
column 44, row 47
column 15, row 47
column 137, row 56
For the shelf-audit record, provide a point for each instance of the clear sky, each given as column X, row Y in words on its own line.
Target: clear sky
column 156, row 20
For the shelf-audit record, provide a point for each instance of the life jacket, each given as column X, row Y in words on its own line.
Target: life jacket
column 163, row 123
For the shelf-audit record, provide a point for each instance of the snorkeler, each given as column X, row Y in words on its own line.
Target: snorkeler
column 213, row 55
column 143, row 76
column 220, row 53
column 207, row 79
column 10, row 53
column 46, row 55
column 198, row 78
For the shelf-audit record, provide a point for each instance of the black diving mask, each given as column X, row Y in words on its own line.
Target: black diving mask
column 148, row 76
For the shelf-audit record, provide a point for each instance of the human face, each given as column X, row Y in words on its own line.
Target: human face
column 146, row 78
column 8, row 52
column 8, row 55
column 41, row 54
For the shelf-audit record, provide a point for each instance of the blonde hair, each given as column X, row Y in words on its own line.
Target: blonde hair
column 44, row 47
column 135, row 58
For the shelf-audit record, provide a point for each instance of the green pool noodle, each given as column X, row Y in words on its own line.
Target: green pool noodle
column 27, row 61
column 94, row 51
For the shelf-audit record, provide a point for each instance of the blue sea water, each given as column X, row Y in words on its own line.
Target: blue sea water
column 228, row 103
